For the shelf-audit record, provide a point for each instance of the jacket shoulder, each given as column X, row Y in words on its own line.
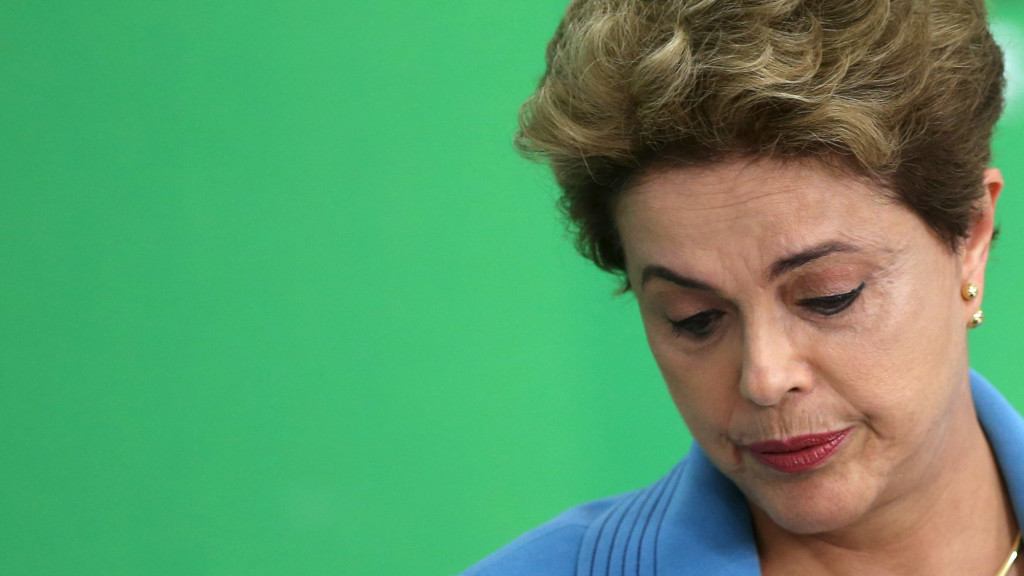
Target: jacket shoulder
column 548, row 550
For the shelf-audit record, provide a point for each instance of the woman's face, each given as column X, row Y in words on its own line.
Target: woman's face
column 810, row 330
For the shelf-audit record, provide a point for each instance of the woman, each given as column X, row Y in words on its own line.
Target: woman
column 798, row 194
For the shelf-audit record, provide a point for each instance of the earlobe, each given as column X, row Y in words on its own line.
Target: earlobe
column 977, row 244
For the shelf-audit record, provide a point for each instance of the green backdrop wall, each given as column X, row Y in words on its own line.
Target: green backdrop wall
column 278, row 297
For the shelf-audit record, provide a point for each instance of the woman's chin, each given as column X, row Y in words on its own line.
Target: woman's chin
column 811, row 505
column 806, row 520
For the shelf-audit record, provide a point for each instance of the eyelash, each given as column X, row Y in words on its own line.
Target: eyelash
column 701, row 325
column 832, row 304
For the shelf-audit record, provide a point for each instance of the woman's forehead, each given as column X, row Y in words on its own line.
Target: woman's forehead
column 756, row 213
column 759, row 190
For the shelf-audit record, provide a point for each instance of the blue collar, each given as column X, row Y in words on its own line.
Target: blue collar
column 696, row 521
column 1004, row 429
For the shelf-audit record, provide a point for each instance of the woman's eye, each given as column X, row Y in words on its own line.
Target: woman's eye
column 699, row 326
column 833, row 304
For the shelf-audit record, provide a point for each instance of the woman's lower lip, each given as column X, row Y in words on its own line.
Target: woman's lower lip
column 798, row 454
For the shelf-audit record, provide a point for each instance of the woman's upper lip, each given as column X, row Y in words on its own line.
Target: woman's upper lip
column 794, row 443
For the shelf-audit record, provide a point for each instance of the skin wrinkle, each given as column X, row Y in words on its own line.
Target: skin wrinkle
column 773, row 370
column 777, row 97
column 904, row 92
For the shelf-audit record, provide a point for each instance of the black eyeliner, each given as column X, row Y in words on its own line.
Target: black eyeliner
column 835, row 303
column 699, row 326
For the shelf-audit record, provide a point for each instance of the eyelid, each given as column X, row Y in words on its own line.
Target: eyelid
column 689, row 327
column 833, row 303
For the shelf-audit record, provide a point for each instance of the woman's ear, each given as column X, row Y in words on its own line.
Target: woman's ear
column 977, row 244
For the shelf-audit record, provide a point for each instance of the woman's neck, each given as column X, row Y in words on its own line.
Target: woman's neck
column 958, row 520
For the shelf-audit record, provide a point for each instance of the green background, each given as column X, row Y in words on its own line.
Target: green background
column 278, row 297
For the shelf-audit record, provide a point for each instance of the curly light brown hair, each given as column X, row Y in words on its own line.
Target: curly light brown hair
column 903, row 92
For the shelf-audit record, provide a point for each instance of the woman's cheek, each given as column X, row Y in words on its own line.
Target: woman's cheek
column 704, row 390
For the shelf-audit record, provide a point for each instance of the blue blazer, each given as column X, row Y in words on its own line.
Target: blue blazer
column 694, row 521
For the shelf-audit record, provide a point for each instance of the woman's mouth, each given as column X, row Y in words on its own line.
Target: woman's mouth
column 798, row 454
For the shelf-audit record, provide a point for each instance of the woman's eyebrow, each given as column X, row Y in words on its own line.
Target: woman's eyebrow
column 797, row 260
column 779, row 268
column 658, row 271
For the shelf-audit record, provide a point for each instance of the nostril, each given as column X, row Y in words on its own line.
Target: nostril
column 767, row 387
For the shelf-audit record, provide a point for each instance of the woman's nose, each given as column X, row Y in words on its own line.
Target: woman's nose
column 772, row 367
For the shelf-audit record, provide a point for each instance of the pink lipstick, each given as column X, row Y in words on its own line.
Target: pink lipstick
column 797, row 454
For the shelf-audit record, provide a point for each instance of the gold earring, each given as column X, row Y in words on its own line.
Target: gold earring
column 976, row 319
column 969, row 291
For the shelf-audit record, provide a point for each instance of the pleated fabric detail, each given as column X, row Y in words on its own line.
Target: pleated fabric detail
column 624, row 542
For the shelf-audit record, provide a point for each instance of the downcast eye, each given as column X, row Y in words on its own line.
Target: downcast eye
column 699, row 326
column 832, row 304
